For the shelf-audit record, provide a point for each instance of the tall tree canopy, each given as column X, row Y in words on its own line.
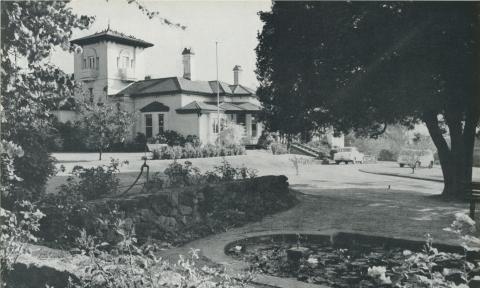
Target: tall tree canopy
column 361, row 66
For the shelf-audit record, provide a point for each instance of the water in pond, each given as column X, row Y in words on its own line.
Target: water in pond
column 349, row 267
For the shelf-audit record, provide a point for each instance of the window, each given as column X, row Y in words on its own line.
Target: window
column 254, row 126
column 131, row 63
column 84, row 65
column 241, row 119
column 98, row 62
column 148, row 125
column 91, row 62
column 161, row 123
column 90, row 90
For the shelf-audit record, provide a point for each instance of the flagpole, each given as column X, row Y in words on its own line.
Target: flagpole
column 218, row 88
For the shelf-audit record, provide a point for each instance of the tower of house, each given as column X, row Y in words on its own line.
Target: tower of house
column 106, row 62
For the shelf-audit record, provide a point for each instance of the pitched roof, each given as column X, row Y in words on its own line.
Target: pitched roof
column 155, row 107
column 227, row 107
column 172, row 85
column 114, row 36
column 247, row 106
column 198, row 107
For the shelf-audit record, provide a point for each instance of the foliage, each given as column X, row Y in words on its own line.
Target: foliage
column 312, row 79
column 31, row 88
column 226, row 172
column 265, row 140
column 17, row 229
column 182, row 175
column 71, row 135
column 278, row 148
column 105, row 125
column 387, row 155
column 192, row 151
column 8, row 152
column 173, row 138
column 136, row 266
column 231, row 135
column 94, row 182
column 238, row 202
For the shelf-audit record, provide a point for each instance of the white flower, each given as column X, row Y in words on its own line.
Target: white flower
column 38, row 214
column 312, row 260
column 407, row 252
column 238, row 248
column 376, row 271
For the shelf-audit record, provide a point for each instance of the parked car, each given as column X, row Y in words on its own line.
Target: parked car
column 420, row 158
column 348, row 155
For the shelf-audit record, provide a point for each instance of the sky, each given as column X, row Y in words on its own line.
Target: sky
column 234, row 24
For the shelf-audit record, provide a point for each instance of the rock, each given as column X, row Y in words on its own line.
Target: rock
column 185, row 210
column 166, row 222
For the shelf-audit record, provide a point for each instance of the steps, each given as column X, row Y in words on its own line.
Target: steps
column 305, row 150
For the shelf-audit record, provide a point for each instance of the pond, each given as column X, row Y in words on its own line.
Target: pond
column 351, row 261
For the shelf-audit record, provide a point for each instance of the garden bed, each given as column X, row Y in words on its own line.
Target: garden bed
column 349, row 260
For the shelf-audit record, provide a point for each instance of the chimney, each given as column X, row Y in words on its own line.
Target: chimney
column 187, row 55
column 237, row 70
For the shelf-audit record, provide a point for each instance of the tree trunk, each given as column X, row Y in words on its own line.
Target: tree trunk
column 456, row 161
column 100, row 154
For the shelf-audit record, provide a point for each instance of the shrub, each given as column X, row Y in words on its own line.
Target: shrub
column 193, row 140
column 278, row 148
column 156, row 154
column 265, row 140
column 94, row 182
column 189, row 151
column 182, row 175
column 136, row 266
column 386, row 155
column 17, row 229
column 226, row 172
column 72, row 136
column 34, row 167
column 231, row 135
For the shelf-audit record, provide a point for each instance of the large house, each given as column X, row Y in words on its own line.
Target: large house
column 111, row 66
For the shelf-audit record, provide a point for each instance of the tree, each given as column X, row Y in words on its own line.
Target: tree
column 105, row 125
column 32, row 87
column 364, row 66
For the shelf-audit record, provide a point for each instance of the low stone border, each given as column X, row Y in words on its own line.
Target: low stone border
column 402, row 176
column 215, row 249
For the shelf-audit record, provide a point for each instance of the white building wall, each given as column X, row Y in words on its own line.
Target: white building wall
column 108, row 78
column 95, row 79
column 117, row 79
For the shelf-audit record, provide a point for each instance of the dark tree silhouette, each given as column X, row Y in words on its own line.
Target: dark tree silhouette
column 362, row 66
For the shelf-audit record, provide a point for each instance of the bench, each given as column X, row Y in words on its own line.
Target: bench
column 474, row 191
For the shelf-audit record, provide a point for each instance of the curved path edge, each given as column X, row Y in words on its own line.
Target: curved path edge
column 213, row 248
column 402, row 176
